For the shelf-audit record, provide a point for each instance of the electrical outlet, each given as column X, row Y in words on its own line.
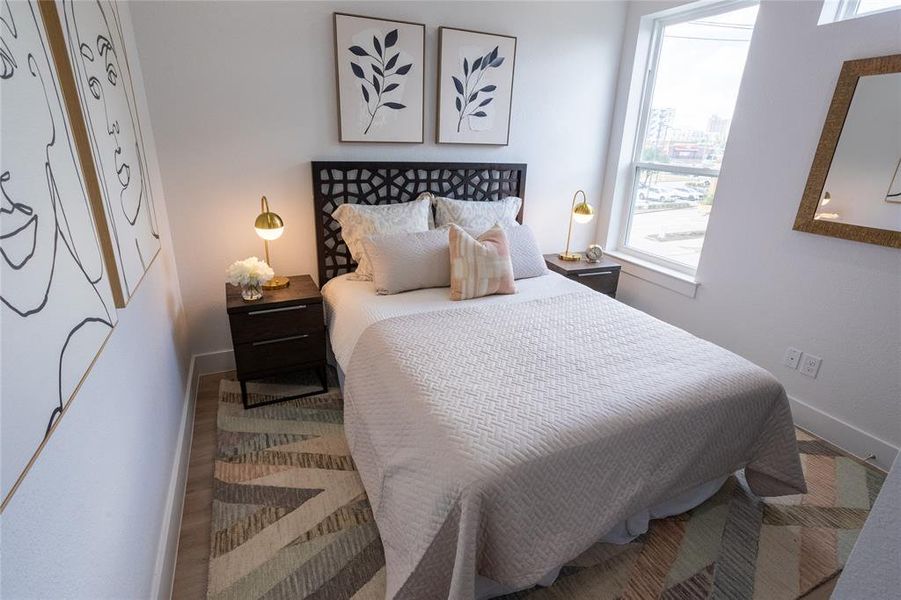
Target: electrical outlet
column 810, row 365
column 792, row 358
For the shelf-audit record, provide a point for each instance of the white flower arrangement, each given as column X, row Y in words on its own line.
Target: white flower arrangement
column 250, row 271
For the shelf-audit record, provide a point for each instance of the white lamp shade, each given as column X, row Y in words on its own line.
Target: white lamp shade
column 582, row 218
column 270, row 234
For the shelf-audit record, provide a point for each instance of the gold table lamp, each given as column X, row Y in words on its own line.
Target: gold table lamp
column 270, row 226
column 581, row 213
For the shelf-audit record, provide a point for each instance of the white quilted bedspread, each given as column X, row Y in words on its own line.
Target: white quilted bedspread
column 504, row 440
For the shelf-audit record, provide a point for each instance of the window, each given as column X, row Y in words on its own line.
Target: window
column 840, row 10
column 696, row 63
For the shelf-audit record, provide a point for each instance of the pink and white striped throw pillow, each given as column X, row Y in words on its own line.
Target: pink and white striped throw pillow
column 480, row 266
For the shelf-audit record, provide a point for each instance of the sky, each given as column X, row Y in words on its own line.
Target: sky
column 700, row 67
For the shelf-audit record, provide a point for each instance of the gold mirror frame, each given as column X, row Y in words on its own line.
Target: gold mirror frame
column 852, row 71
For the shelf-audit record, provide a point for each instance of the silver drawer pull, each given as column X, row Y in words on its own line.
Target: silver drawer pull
column 284, row 339
column 275, row 310
column 598, row 274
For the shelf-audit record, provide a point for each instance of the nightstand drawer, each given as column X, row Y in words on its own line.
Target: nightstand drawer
column 604, row 281
column 268, row 323
column 259, row 358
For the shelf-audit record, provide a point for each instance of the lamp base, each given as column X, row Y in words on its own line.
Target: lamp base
column 276, row 283
column 572, row 256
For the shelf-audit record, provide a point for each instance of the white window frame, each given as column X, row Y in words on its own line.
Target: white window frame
column 842, row 10
column 647, row 94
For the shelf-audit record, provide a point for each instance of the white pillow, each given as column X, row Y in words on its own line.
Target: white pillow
column 409, row 261
column 362, row 220
column 479, row 216
column 525, row 253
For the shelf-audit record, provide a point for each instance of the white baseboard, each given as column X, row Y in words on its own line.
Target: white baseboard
column 847, row 437
column 214, row 362
column 167, row 549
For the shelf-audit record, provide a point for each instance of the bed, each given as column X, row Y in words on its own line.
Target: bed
column 490, row 445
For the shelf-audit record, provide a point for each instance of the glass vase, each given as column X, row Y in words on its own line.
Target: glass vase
column 251, row 292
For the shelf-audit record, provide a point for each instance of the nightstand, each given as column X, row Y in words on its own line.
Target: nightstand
column 601, row 276
column 278, row 334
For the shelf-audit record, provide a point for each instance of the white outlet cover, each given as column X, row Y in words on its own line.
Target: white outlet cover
column 792, row 358
column 810, row 365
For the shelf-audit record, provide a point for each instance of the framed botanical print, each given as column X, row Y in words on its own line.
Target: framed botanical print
column 380, row 79
column 475, row 86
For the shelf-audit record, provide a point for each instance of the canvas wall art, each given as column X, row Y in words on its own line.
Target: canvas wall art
column 57, row 307
column 93, row 35
column 475, row 86
column 380, row 79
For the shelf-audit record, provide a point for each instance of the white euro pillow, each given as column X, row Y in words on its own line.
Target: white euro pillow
column 359, row 221
column 477, row 216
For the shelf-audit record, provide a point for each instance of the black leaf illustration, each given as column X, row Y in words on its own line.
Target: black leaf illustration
column 381, row 74
column 468, row 89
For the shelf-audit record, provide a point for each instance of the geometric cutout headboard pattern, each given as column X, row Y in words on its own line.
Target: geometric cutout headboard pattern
column 341, row 182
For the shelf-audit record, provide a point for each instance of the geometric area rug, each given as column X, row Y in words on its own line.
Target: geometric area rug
column 291, row 520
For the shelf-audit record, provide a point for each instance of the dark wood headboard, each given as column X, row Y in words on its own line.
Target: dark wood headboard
column 341, row 182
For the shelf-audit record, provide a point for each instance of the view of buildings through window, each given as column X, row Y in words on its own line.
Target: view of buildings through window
column 693, row 87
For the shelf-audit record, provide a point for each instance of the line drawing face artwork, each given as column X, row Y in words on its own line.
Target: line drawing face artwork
column 97, row 51
column 57, row 307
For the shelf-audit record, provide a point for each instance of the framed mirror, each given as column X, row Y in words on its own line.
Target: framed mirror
column 854, row 187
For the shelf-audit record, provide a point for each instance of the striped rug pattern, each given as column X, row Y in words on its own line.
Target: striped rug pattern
column 291, row 520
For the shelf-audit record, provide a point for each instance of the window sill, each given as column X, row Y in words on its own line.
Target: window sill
column 681, row 283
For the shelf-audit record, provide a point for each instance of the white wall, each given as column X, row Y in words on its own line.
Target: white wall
column 86, row 520
column 242, row 97
column 764, row 287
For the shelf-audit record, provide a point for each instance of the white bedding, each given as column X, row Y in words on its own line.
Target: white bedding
column 352, row 306
column 490, row 466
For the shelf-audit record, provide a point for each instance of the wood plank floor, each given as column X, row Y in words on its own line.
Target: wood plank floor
column 196, row 518
column 194, row 538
